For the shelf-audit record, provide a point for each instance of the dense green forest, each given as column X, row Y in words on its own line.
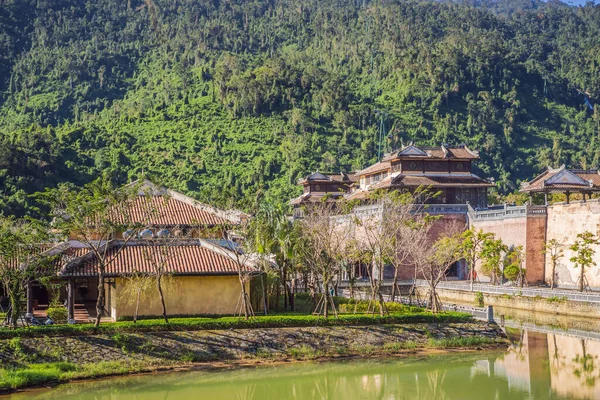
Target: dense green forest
column 233, row 100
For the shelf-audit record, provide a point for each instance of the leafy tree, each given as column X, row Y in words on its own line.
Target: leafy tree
column 492, row 252
column 584, row 254
column 22, row 260
column 513, row 266
column 472, row 247
column 555, row 251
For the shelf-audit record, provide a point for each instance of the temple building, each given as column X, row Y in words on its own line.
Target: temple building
column 317, row 186
column 562, row 180
column 444, row 170
column 176, row 234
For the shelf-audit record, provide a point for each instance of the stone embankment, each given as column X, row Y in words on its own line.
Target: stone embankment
column 552, row 305
column 168, row 348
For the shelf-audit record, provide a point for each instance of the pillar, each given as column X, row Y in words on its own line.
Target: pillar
column 29, row 298
column 490, row 314
column 583, row 194
column 71, row 298
column 568, row 194
column 545, row 198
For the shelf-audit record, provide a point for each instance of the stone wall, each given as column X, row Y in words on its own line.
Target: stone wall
column 164, row 348
column 527, row 231
column 530, row 304
column 565, row 221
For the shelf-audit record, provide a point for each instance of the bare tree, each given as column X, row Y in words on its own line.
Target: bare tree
column 94, row 215
column 326, row 241
column 373, row 241
column 137, row 284
column 433, row 263
column 246, row 263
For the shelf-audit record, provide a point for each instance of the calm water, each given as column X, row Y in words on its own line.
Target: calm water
column 536, row 366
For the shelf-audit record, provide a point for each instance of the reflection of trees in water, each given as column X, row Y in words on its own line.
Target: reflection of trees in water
column 246, row 392
column 585, row 367
column 435, row 380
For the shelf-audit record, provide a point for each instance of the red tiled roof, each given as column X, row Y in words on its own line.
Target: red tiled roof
column 160, row 211
column 591, row 180
column 458, row 152
column 439, row 181
column 181, row 259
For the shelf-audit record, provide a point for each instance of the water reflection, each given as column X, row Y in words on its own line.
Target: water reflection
column 536, row 366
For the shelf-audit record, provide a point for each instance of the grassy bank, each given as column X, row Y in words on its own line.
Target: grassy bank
column 59, row 372
column 269, row 321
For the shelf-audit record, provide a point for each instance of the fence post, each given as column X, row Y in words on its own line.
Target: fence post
column 490, row 314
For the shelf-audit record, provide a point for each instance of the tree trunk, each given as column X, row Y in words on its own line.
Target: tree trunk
column 100, row 300
column 137, row 305
column 162, row 298
column 264, row 294
column 581, row 278
column 394, row 285
column 553, row 275
column 15, row 308
column 292, row 294
column 326, row 299
column 244, row 304
column 285, row 287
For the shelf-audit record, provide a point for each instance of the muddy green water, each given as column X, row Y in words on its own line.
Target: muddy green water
column 536, row 366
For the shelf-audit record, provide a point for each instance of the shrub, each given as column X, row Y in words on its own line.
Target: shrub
column 557, row 299
column 58, row 314
column 511, row 272
column 479, row 299
column 361, row 306
column 222, row 323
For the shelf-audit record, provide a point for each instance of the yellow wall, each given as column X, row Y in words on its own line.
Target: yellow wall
column 184, row 295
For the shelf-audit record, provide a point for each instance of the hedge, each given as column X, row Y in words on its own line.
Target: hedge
column 269, row 321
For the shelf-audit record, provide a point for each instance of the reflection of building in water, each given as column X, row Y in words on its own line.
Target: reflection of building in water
column 574, row 367
column 541, row 362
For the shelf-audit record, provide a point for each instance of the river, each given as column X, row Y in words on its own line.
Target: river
column 536, row 366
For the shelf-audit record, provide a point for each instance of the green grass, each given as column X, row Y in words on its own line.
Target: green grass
column 463, row 342
column 557, row 299
column 220, row 323
column 47, row 373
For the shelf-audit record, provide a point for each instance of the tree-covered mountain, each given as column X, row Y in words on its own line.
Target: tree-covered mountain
column 231, row 100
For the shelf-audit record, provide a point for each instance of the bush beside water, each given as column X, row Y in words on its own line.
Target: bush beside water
column 220, row 323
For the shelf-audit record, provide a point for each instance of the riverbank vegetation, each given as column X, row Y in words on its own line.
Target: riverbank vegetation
column 210, row 323
column 37, row 374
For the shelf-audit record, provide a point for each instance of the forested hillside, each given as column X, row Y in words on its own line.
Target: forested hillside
column 231, row 100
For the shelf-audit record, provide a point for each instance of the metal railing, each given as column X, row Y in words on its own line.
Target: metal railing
column 587, row 297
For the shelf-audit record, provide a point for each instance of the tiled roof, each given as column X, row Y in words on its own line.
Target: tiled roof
column 431, row 180
column 160, row 211
column 380, row 166
column 457, row 152
column 323, row 177
column 186, row 258
column 315, row 197
column 358, row 194
column 440, row 181
column 564, row 179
